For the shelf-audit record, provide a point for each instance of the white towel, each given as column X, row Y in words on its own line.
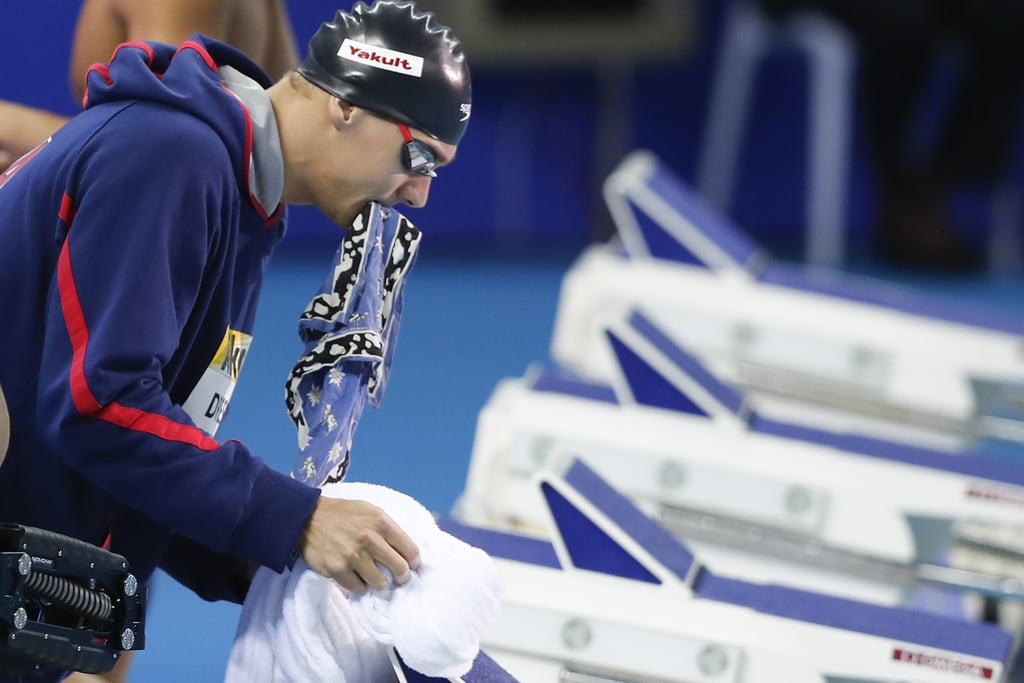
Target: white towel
column 436, row 619
column 299, row 626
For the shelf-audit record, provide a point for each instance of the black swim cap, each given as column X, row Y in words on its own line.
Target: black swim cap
column 398, row 63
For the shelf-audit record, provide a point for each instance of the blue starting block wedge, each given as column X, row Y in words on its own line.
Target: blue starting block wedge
column 658, row 216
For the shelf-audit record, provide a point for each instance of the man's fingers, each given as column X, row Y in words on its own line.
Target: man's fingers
column 353, row 542
column 375, row 555
column 400, row 543
column 389, row 557
column 351, row 582
column 393, row 548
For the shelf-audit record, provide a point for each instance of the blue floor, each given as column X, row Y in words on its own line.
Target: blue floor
column 469, row 322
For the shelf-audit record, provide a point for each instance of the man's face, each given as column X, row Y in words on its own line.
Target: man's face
column 370, row 167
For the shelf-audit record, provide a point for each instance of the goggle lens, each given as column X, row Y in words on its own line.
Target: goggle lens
column 417, row 157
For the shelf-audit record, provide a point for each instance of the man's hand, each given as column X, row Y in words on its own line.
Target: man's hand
column 344, row 539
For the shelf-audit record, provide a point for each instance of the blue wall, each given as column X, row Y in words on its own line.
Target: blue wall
column 529, row 166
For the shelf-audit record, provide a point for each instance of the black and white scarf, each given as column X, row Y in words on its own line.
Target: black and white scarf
column 349, row 331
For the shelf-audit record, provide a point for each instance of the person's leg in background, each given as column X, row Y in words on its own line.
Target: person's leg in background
column 897, row 43
column 976, row 143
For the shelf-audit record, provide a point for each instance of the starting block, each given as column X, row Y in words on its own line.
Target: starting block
column 614, row 596
column 768, row 500
column 821, row 346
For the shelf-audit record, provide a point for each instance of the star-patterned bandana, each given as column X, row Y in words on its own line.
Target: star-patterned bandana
column 349, row 330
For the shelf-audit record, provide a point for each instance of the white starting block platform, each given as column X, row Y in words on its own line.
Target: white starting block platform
column 824, row 346
column 843, row 513
column 615, row 597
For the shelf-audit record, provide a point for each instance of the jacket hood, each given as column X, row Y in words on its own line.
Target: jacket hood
column 188, row 78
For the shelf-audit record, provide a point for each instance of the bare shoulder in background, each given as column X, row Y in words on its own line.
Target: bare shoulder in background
column 259, row 28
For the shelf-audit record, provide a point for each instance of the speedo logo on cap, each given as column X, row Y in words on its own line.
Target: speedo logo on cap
column 381, row 58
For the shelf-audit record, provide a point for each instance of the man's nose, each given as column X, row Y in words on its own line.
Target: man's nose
column 414, row 191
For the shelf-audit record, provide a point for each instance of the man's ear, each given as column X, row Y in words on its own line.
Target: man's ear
column 340, row 112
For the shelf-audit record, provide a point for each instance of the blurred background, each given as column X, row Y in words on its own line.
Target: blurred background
column 563, row 89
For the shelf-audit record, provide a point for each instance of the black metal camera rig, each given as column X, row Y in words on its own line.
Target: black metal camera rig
column 65, row 603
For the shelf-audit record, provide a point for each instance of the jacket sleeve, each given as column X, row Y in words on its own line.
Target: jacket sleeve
column 140, row 217
column 212, row 576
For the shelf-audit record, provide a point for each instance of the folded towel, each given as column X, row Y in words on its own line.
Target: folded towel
column 436, row 619
column 251, row 658
column 321, row 640
column 300, row 626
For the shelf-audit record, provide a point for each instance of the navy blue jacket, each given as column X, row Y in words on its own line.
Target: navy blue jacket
column 132, row 253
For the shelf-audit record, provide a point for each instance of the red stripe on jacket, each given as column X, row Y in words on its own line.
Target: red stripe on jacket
column 78, row 330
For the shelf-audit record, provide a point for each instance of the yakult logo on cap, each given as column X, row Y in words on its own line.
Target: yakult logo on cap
column 381, row 58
